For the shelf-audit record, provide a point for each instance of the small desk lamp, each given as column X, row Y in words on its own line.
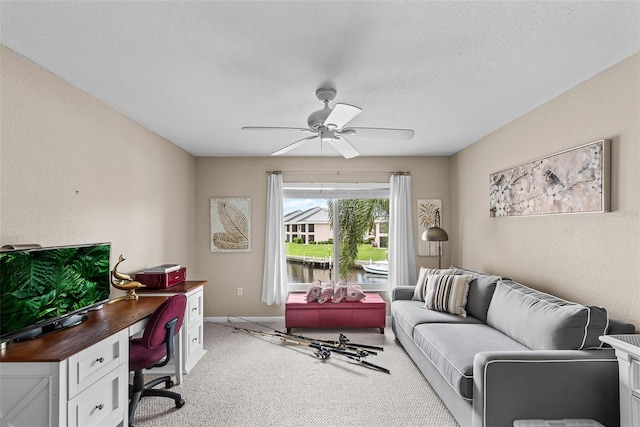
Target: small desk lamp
column 436, row 234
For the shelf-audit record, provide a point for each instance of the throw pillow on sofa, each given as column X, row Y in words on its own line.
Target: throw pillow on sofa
column 313, row 291
column 421, row 286
column 447, row 293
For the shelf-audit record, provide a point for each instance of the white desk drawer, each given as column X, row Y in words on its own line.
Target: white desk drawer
column 88, row 366
column 194, row 339
column 635, row 374
column 101, row 404
column 194, row 308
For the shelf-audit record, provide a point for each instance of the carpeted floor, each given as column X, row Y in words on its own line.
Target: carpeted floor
column 246, row 380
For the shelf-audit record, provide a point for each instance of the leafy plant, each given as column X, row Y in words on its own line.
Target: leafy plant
column 39, row 285
column 355, row 218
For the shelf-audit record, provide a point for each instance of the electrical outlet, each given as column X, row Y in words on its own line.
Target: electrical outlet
column 240, row 291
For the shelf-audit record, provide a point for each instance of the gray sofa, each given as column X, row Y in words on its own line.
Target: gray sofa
column 518, row 354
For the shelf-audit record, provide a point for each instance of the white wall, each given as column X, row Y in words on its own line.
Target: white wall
column 588, row 258
column 73, row 170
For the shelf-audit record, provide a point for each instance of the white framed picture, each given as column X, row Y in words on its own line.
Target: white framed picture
column 572, row 181
column 230, row 224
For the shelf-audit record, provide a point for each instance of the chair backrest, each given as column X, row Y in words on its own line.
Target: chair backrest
column 155, row 331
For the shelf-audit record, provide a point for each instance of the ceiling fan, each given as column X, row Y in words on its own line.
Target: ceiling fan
column 328, row 124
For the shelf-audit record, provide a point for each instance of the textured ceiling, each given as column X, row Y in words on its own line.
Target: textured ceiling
column 196, row 72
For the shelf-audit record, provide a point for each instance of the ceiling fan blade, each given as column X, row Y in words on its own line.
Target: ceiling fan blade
column 275, row 128
column 341, row 115
column 381, row 133
column 296, row 144
column 344, row 147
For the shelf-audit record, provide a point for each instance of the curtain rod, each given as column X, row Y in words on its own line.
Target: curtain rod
column 340, row 172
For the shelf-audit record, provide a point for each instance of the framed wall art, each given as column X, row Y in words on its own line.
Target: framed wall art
column 230, row 224
column 572, row 181
column 429, row 214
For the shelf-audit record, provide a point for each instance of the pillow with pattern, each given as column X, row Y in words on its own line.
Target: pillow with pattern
column 326, row 293
column 447, row 293
column 421, row 286
column 354, row 293
column 313, row 291
column 339, row 291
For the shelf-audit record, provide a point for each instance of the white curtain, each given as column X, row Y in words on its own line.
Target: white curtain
column 274, row 284
column 402, row 260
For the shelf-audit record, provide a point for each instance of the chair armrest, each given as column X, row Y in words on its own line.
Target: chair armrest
column 552, row 384
column 402, row 292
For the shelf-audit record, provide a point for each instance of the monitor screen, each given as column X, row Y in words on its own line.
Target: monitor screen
column 43, row 285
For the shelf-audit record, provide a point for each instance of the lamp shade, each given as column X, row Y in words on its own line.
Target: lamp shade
column 435, row 234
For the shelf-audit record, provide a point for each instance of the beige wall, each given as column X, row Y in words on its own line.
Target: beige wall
column 588, row 258
column 73, row 170
column 246, row 177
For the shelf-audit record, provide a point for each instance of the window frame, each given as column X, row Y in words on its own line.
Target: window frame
column 336, row 192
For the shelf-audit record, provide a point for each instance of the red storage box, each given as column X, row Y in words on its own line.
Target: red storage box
column 370, row 312
column 162, row 280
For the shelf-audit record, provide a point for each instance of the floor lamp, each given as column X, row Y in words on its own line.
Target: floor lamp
column 436, row 234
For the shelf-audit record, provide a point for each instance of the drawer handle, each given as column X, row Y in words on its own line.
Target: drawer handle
column 99, row 407
column 100, row 360
column 194, row 309
column 194, row 339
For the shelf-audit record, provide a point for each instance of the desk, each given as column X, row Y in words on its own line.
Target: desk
column 191, row 336
column 77, row 376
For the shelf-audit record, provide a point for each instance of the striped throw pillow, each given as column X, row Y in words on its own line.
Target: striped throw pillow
column 421, row 286
column 448, row 293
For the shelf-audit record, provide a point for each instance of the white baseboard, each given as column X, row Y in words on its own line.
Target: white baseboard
column 233, row 319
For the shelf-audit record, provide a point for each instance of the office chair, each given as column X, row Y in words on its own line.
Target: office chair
column 155, row 349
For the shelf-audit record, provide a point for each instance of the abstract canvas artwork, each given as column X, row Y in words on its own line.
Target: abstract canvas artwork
column 573, row 181
column 230, row 225
column 427, row 217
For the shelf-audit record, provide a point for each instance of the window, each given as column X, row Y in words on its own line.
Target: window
column 316, row 202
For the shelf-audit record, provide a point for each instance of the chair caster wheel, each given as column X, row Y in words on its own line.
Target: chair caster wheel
column 180, row 403
column 168, row 384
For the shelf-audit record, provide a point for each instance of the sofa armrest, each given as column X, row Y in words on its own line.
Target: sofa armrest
column 402, row 292
column 552, row 384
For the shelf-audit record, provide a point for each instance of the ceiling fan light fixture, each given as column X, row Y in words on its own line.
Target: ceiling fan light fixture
column 328, row 125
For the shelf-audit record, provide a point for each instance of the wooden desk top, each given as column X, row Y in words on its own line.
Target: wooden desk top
column 180, row 288
column 60, row 345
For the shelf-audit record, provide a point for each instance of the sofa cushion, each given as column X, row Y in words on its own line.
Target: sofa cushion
column 544, row 322
column 451, row 348
column 421, row 286
column 481, row 290
column 447, row 293
column 407, row 314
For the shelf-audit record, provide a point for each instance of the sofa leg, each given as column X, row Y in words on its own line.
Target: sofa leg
column 382, row 331
column 288, row 330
